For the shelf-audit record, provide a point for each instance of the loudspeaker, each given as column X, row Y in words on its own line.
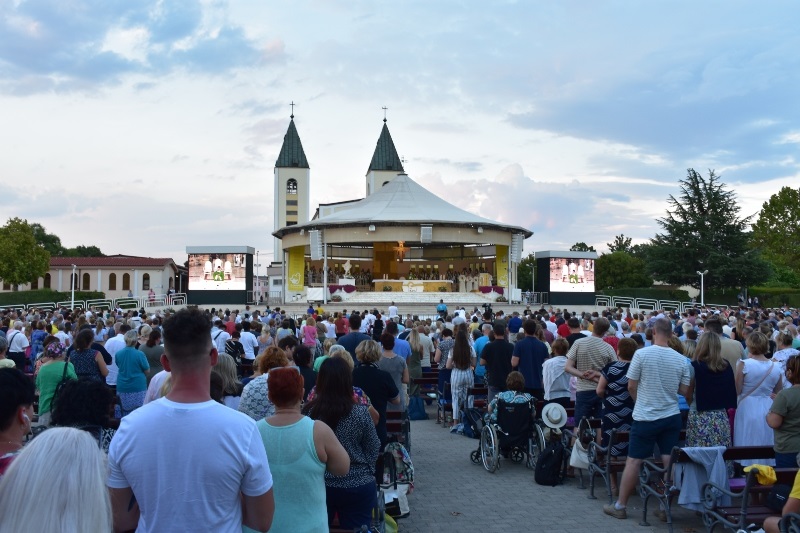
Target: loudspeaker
column 516, row 248
column 315, row 243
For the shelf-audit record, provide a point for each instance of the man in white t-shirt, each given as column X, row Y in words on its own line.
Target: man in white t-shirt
column 249, row 342
column 656, row 376
column 392, row 311
column 112, row 346
column 191, row 464
column 219, row 336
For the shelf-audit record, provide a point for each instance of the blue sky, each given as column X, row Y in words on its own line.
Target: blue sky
column 143, row 127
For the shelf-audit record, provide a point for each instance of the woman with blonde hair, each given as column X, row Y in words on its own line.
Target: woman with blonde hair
column 231, row 387
column 414, row 360
column 757, row 378
column 308, row 333
column 77, row 497
column 711, row 393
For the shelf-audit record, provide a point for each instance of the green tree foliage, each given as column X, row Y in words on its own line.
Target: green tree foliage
column 52, row 243
column 777, row 231
column 581, row 247
column 621, row 270
column 525, row 272
column 621, row 243
column 21, row 259
column 48, row 241
column 703, row 231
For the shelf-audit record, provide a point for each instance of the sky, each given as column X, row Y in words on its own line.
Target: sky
column 145, row 127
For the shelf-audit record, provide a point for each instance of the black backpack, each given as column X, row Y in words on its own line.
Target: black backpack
column 473, row 422
column 550, row 463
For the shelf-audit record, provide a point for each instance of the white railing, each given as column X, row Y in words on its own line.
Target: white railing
column 157, row 300
column 648, row 304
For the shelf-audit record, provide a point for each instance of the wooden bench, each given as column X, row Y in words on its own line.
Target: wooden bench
column 398, row 428
column 665, row 491
column 428, row 387
column 480, row 397
column 748, row 512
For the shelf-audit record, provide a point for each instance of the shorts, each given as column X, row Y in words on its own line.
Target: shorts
column 587, row 404
column 664, row 433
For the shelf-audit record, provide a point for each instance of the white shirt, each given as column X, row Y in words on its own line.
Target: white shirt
column 17, row 341
column 187, row 463
column 392, row 311
column 219, row 337
column 250, row 344
column 330, row 330
column 113, row 345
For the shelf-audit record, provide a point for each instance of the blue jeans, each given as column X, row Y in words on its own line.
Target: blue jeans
column 354, row 506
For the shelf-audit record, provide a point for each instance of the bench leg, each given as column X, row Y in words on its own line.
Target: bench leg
column 644, row 511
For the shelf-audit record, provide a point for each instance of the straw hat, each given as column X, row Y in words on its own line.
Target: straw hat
column 554, row 415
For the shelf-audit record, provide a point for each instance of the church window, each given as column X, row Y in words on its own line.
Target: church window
column 86, row 281
column 384, row 183
column 126, row 282
column 112, row 282
column 291, row 202
column 146, row 282
column 291, row 212
column 35, row 284
column 47, row 280
column 291, row 187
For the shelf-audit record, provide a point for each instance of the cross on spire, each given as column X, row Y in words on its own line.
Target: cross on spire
column 385, row 109
column 292, row 104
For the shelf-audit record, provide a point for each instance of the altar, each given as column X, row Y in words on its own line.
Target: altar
column 412, row 285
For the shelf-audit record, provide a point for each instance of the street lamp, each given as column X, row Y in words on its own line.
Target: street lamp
column 702, row 288
column 73, row 282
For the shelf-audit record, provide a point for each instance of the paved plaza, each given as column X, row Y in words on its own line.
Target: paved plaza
column 452, row 494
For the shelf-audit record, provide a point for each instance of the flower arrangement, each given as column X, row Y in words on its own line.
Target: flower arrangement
column 387, row 288
column 336, row 298
column 501, row 298
column 442, row 288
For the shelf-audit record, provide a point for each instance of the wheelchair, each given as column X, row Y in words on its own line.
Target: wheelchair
column 516, row 435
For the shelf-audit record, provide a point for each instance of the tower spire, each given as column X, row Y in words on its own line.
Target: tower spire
column 385, row 109
column 292, row 115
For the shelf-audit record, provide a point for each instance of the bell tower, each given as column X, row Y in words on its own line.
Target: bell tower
column 385, row 164
column 292, row 185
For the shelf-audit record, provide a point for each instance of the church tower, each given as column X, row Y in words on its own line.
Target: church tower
column 385, row 164
column 292, row 185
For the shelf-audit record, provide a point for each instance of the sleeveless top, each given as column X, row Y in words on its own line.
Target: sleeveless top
column 85, row 364
column 298, row 477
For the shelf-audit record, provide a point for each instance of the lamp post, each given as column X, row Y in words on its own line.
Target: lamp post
column 702, row 288
column 72, row 282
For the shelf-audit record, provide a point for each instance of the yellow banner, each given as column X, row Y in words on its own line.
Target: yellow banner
column 296, row 269
column 502, row 265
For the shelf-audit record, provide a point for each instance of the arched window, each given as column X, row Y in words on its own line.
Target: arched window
column 291, row 186
column 112, row 282
column 126, row 282
column 86, row 281
column 47, row 280
column 35, row 284
column 384, row 183
column 146, row 282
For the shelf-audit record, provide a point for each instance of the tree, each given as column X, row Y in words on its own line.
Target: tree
column 525, row 272
column 777, row 231
column 83, row 251
column 621, row 243
column 703, row 231
column 21, row 259
column 50, row 242
column 581, row 247
column 621, row 270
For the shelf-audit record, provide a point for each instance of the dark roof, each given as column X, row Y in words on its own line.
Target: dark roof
column 385, row 156
column 292, row 154
column 117, row 261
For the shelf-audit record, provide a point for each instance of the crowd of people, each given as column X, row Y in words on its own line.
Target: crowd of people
column 292, row 410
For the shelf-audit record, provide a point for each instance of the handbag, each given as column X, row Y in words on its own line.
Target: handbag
column 741, row 399
column 416, row 408
column 60, row 385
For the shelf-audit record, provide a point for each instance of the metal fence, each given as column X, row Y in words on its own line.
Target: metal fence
column 649, row 304
column 157, row 300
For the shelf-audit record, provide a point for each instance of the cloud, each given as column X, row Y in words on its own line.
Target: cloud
column 51, row 45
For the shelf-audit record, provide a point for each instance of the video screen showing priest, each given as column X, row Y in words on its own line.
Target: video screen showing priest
column 217, row 272
column 571, row 275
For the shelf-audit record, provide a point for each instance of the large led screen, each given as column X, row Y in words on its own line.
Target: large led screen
column 571, row 275
column 217, row 272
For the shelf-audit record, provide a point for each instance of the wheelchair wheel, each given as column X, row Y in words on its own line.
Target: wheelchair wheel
column 475, row 456
column 517, row 455
column 537, row 444
column 490, row 453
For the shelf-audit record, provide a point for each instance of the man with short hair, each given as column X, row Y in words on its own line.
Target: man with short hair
column 427, row 346
column 529, row 355
column 575, row 332
column 586, row 359
column 656, row 376
column 401, row 347
column 441, row 309
column 514, row 324
column 17, row 344
column 392, row 311
column 185, row 462
column 219, row 336
column 351, row 340
column 249, row 343
column 496, row 357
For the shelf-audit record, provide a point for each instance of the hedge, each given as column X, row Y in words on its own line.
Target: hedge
column 776, row 296
column 45, row 296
